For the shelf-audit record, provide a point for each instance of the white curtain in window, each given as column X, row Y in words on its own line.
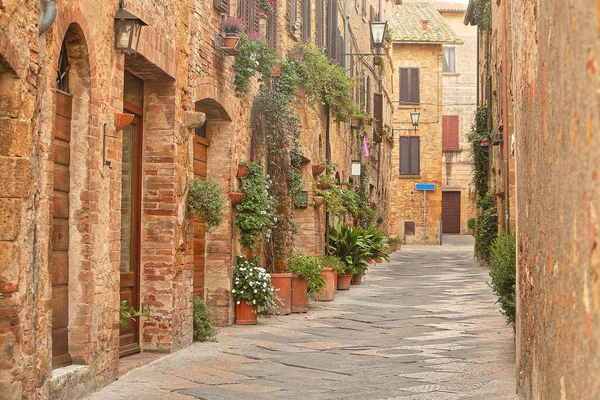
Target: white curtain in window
column 449, row 59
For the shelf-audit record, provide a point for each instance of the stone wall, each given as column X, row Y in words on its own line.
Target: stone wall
column 556, row 117
column 408, row 202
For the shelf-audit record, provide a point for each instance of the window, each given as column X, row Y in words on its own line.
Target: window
column 449, row 60
column 320, row 22
column 222, row 5
column 332, row 30
column 248, row 10
column 378, row 114
column 409, row 86
column 306, row 21
column 292, row 12
column 410, row 155
column 450, row 125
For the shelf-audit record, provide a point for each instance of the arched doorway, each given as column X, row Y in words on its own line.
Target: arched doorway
column 69, row 157
column 211, row 133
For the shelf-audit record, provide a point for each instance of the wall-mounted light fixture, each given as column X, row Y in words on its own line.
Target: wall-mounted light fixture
column 414, row 118
column 378, row 29
column 127, row 30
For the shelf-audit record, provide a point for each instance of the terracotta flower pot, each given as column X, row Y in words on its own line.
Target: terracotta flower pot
column 335, row 274
column 283, row 290
column 318, row 169
column 344, row 281
column 355, row 123
column 122, row 120
column 242, row 171
column 322, row 186
column 357, row 279
column 372, row 205
column 245, row 314
column 328, row 292
column 299, row 294
column 319, row 201
column 236, row 197
column 249, row 253
column 276, row 71
column 230, row 41
column 377, row 61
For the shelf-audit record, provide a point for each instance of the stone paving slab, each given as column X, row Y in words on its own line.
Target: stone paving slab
column 424, row 326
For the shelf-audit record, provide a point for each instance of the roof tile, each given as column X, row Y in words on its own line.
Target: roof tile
column 407, row 25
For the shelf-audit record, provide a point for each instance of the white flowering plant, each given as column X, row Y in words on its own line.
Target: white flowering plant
column 252, row 284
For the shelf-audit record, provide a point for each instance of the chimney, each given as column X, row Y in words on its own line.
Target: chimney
column 424, row 24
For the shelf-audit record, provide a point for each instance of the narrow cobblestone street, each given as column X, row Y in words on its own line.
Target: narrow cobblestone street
column 424, row 326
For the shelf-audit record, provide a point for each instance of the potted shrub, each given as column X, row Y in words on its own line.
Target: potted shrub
column 350, row 246
column 252, row 291
column 343, row 275
column 375, row 242
column 242, row 171
column 306, row 279
column 276, row 70
column 232, row 29
column 329, row 188
column 206, row 202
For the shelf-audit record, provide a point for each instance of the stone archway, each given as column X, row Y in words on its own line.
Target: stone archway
column 213, row 252
column 70, row 166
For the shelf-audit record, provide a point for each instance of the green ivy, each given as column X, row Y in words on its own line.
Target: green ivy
column 255, row 57
column 480, row 154
column 486, row 227
column 256, row 213
column 483, row 14
column 203, row 321
column 503, row 271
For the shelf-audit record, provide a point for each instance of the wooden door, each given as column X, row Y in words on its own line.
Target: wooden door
column 450, row 212
column 130, row 231
column 200, row 157
column 58, row 260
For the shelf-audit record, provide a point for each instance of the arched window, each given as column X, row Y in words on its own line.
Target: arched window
column 62, row 79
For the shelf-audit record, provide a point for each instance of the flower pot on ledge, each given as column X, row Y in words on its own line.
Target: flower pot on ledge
column 236, row 198
column 318, row 169
column 231, row 40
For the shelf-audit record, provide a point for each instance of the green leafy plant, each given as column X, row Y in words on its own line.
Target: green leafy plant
column 329, row 188
column 376, row 243
column 309, row 268
column 480, row 154
column 471, row 223
column 483, row 14
column 205, row 201
column 129, row 313
column 486, row 227
column 266, row 5
column 503, row 271
column 351, row 202
column 256, row 213
column 234, row 25
column 255, row 57
column 253, row 285
column 333, row 262
column 203, row 321
column 348, row 244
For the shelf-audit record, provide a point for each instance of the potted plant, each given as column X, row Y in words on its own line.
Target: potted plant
column 318, row 169
column 276, row 70
column 375, row 242
column 236, row 198
column 232, row 28
column 306, row 279
column 266, row 6
column 206, row 202
column 329, row 188
column 242, row 171
column 343, row 276
column 377, row 60
column 350, row 246
column 252, row 291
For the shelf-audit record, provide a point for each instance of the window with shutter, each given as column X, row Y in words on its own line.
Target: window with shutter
column 340, row 50
column 320, row 22
column 271, row 30
column 378, row 114
column 306, row 20
column 221, row 5
column 332, row 29
column 450, row 129
column 409, row 86
column 249, row 11
column 292, row 12
column 410, row 155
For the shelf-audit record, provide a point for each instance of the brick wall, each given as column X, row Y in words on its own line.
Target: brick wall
column 408, row 202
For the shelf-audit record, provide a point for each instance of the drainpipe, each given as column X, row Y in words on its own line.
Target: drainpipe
column 505, row 133
column 50, row 9
column 328, row 162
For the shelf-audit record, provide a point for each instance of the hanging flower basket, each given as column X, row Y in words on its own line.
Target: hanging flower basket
column 236, row 198
column 322, row 186
column 242, row 171
column 372, row 205
column 377, row 60
column 355, row 123
column 318, row 169
column 276, row 71
column 319, row 201
column 122, row 120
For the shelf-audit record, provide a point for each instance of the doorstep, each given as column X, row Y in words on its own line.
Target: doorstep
column 129, row 363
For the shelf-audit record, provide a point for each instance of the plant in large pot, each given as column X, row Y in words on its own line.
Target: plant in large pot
column 343, row 277
column 306, row 279
column 252, row 291
column 206, row 202
column 376, row 243
column 348, row 244
column 232, row 29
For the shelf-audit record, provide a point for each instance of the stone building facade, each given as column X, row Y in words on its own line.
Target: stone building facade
column 553, row 84
column 419, row 36
column 91, row 215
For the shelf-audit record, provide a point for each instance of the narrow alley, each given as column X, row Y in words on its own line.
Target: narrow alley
column 424, row 326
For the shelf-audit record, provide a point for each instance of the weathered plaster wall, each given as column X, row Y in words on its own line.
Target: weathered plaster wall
column 408, row 202
column 558, row 148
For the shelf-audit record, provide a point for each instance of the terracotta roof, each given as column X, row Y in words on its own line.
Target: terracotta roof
column 407, row 25
column 443, row 6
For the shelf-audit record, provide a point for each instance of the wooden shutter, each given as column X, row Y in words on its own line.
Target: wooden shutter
column 306, row 22
column 378, row 114
column 415, row 155
column 320, row 22
column 414, row 86
column 340, row 49
column 332, row 28
column 450, row 140
column 404, row 155
column 292, row 11
column 221, row 5
column 409, row 86
column 271, row 30
column 368, row 95
column 254, row 22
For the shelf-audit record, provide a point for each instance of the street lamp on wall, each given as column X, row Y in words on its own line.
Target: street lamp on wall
column 378, row 29
column 127, row 31
column 414, row 118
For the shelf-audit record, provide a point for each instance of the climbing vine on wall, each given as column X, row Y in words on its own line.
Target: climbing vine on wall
column 480, row 154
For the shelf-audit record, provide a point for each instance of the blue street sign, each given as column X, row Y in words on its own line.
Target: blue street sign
column 425, row 186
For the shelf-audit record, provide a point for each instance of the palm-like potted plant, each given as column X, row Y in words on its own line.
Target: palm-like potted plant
column 252, row 291
column 232, row 28
column 349, row 245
